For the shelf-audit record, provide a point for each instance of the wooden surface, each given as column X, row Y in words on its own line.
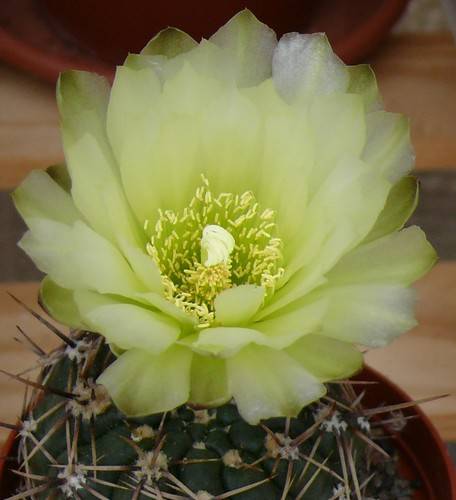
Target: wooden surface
column 417, row 76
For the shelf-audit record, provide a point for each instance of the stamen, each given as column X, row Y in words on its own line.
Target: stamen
column 216, row 242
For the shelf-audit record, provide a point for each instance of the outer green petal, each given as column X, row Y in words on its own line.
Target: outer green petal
column 399, row 207
column 388, row 147
column 139, row 61
column 77, row 257
column 305, row 65
column 401, row 258
column 142, row 384
column 326, row 358
column 250, row 44
column 209, row 384
column 59, row 303
column 169, row 42
column 268, row 383
column 39, row 196
column 370, row 315
column 83, row 98
column 363, row 82
column 128, row 326
column 235, row 306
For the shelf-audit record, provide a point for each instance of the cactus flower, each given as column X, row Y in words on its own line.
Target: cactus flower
column 230, row 219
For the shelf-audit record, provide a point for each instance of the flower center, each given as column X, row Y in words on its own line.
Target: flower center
column 214, row 243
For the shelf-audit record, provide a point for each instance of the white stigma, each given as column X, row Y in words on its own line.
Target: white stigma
column 217, row 245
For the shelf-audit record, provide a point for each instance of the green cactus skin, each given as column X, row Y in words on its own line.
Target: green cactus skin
column 78, row 445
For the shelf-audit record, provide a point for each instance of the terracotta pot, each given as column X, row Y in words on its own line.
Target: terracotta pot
column 422, row 452
column 7, row 479
column 49, row 36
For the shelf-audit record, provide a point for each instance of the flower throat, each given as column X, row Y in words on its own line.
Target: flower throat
column 214, row 243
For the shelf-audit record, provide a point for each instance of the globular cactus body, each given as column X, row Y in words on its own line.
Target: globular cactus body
column 74, row 443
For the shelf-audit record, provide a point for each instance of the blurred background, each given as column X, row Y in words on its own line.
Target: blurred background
column 409, row 44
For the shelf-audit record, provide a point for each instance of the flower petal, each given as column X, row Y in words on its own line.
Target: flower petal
column 300, row 151
column 209, row 384
column 206, row 58
column 342, row 211
column 83, row 98
column 277, row 332
column 370, row 315
column 400, row 258
column 399, row 206
column 226, row 341
column 38, row 196
column 363, row 82
column 147, row 141
column 231, row 143
column 388, row 147
column 77, row 257
column 142, row 384
column 268, row 383
column 305, row 65
column 189, row 92
column 60, row 304
column 301, row 318
column 250, row 44
column 288, row 156
column 169, row 42
column 235, row 306
column 339, row 129
column 133, row 130
column 338, row 218
column 59, row 174
column 144, row 267
column 325, row 358
column 128, row 326
column 157, row 301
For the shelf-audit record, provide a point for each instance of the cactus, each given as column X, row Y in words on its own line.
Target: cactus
column 74, row 443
